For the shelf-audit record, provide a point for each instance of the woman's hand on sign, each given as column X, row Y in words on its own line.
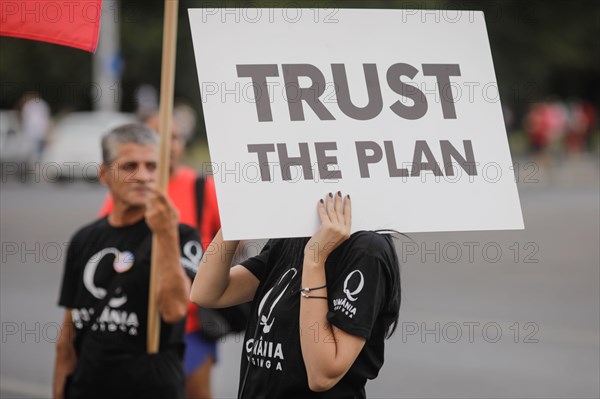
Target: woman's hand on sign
column 335, row 213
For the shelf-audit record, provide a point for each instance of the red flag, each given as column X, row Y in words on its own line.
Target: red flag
column 68, row 23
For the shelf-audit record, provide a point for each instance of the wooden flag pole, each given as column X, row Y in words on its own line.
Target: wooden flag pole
column 167, row 83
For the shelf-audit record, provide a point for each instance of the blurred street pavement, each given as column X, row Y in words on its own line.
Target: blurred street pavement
column 511, row 314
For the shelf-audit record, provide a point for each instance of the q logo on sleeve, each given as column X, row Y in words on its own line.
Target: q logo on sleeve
column 351, row 282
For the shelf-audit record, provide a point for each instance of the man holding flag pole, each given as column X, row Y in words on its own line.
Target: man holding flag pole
column 130, row 169
column 102, row 351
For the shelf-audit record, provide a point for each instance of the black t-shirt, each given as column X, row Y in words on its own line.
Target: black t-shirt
column 361, row 302
column 96, row 254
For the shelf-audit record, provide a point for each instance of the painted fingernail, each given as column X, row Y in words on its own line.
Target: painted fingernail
column 348, row 196
column 330, row 195
column 322, row 202
column 339, row 193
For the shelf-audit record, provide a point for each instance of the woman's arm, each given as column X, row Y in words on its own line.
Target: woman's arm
column 217, row 284
column 327, row 360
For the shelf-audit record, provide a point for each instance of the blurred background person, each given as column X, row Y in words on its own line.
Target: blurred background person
column 580, row 126
column 545, row 125
column 34, row 115
column 146, row 98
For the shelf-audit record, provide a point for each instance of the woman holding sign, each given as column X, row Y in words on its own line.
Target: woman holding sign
column 321, row 307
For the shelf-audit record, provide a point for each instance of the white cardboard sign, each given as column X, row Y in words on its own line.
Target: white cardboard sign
column 398, row 108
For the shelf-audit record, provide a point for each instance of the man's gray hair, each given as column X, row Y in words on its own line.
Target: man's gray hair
column 135, row 133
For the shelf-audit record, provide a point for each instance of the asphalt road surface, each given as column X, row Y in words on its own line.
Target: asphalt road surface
column 484, row 315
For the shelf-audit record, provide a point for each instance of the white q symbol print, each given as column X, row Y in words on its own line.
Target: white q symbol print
column 358, row 289
column 192, row 255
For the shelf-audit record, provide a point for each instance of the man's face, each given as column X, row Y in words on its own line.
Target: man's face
column 132, row 174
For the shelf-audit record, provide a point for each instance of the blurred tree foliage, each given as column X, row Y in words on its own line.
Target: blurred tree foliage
column 540, row 49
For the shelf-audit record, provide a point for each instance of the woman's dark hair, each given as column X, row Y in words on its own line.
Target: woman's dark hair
column 395, row 284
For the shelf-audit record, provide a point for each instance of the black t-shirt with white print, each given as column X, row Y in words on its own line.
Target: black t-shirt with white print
column 96, row 254
column 359, row 277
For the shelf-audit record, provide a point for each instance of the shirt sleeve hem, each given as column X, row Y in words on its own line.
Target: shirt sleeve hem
column 253, row 266
column 66, row 305
column 348, row 326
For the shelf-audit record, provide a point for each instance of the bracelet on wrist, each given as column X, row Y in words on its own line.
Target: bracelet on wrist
column 308, row 289
column 312, row 296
